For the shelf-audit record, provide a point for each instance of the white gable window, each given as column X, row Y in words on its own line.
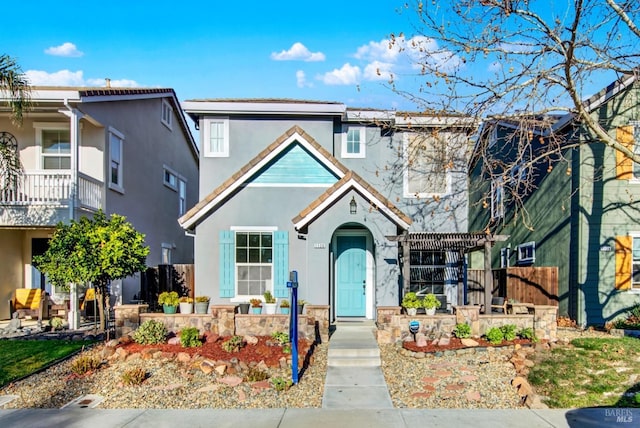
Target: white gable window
column 426, row 172
column 54, row 142
column 216, row 137
column 353, row 142
column 167, row 114
column 116, row 140
column 526, row 253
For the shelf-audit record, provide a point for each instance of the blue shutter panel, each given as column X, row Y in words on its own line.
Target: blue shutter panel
column 227, row 263
column 280, row 263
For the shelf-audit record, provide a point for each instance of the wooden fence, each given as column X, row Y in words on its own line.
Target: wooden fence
column 155, row 280
column 537, row 285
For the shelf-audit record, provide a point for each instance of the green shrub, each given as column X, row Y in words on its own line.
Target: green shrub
column 151, row 332
column 85, row 364
column 280, row 384
column 528, row 333
column 134, row 376
column 280, row 337
column 56, row 323
column 494, row 335
column 462, row 331
column 255, row 375
column 508, row 331
column 233, row 344
column 190, row 337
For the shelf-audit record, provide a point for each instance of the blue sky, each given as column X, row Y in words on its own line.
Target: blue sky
column 335, row 50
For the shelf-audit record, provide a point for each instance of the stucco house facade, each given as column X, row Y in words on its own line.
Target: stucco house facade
column 319, row 188
column 123, row 150
column 581, row 212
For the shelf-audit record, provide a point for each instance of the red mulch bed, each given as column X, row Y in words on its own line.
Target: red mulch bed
column 455, row 343
column 266, row 350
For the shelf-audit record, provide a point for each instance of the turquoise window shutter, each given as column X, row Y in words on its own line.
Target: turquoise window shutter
column 227, row 263
column 280, row 263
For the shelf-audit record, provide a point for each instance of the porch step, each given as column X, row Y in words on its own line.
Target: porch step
column 353, row 346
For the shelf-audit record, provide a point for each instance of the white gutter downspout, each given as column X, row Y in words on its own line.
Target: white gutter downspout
column 74, row 136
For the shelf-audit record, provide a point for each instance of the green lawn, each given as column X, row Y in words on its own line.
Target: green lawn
column 19, row 358
column 591, row 372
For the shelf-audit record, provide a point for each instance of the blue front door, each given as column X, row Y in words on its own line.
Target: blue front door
column 351, row 271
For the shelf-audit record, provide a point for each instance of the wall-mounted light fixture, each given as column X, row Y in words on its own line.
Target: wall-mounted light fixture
column 353, row 206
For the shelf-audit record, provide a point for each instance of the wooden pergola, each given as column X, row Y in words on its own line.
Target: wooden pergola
column 457, row 242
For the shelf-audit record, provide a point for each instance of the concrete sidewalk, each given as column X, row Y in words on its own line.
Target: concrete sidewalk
column 320, row 418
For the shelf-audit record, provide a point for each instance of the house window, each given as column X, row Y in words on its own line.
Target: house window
column 505, row 253
column 170, row 178
column 426, row 272
column 216, row 137
column 254, row 262
column 353, row 142
column 182, row 197
column 55, row 146
column 167, row 113
column 115, row 160
column 426, row 172
column 497, row 198
column 526, row 253
column 635, row 263
column 166, row 253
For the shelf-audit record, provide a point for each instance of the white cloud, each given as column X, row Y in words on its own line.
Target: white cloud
column 301, row 79
column 377, row 70
column 58, row 78
column 347, row 75
column 298, row 52
column 386, row 56
column 382, row 50
column 115, row 83
column 72, row 78
column 66, row 49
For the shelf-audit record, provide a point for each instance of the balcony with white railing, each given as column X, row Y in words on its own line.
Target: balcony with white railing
column 40, row 191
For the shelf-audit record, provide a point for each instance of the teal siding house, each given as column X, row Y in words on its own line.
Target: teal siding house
column 578, row 209
column 318, row 188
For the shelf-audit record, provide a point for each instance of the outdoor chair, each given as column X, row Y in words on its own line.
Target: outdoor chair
column 31, row 302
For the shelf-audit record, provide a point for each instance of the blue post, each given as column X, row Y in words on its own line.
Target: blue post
column 293, row 324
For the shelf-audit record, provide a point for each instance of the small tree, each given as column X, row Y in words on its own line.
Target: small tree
column 96, row 250
column 14, row 87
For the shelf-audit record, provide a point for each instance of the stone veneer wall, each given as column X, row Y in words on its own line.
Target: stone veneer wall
column 224, row 321
column 393, row 326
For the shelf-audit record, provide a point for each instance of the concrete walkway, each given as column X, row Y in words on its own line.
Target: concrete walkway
column 354, row 376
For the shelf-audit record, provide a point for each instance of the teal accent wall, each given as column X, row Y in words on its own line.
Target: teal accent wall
column 280, row 264
column 227, row 263
column 295, row 166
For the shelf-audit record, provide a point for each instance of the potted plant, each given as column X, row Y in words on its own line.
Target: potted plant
column 243, row 307
column 186, row 305
column 202, row 304
column 169, row 301
column 284, row 306
column 301, row 304
column 411, row 303
column 269, row 302
column 430, row 303
column 256, row 306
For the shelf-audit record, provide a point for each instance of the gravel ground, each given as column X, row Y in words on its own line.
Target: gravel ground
column 468, row 380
